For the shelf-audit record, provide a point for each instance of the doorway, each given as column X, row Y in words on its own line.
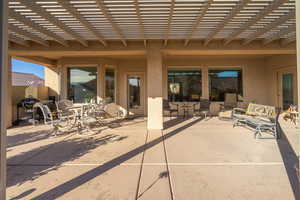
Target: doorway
column 135, row 94
column 286, row 89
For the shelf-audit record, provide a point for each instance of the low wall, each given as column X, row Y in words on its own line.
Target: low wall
column 21, row 92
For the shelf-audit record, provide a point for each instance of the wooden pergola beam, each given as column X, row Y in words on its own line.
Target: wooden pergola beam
column 140, row 20
column 199, row 19
column 20, row 18
column 270, row 26
column 18, row 40
column 28, row 35
column 47, row 16
column 288, row 40
column 69, row 8
column 272, row 6
column 240, row 5
column 38, row 60
column 169, row 22
column 109, row 18
column 279, row 34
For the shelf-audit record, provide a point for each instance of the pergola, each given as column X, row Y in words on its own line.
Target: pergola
column 42, row 30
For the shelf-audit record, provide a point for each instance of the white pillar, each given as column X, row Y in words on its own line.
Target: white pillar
column 155, row 89
column 3, row 92
column 298, row 48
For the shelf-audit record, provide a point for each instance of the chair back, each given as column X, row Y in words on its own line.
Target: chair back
column 166, row 105
column 62, row 105
column 261, row 110
column 204, row 104
column 230, row 100
column 47, row 115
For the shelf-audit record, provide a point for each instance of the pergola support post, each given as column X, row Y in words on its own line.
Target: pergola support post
column 3, row 93
column 155, row 89
column 298, row 48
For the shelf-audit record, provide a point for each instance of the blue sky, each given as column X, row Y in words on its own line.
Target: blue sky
column 25, row 67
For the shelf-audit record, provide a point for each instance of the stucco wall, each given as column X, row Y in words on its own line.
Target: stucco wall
column 258, row 73
column 20, row 92
column 52, row 80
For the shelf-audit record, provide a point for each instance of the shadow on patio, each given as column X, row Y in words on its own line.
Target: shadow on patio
column 76, row 182
column 51, row 156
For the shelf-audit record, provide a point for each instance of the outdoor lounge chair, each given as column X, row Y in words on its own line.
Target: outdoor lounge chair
column 202, row 107
column 171, row 109
column 259, row 117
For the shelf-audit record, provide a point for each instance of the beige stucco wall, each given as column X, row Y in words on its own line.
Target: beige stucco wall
column 20, row 92
column 256, row 78
column 52, row 80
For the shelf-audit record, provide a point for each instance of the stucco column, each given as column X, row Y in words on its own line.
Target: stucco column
column 298, row 48
column 205, row 83
column 155, row 89
column 3, row 93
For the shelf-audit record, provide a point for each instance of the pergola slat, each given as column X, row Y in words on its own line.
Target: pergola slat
column 169, row 21
column 270, row 26
column 198, row 21
column 288, row 40
column 37, row 27
column 108, row 16
column 259, row 16
column 18, row 40
column 279, row 34
column 240, row 5
column 141, row 25
column 66, row 5
column 28, row 35
column 103, row 20
column 43, row 13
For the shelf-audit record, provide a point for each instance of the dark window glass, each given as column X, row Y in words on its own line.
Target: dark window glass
column 224, row 81
column 184, row 85
column 134, row 84
column 82, row 84
column 110, row 85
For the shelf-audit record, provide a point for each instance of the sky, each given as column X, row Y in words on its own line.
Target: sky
column 26, row 67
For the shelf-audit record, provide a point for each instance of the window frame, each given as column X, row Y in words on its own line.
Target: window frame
column 226, row 68
column 115, row 81
column 185, row 68
column 83, row 66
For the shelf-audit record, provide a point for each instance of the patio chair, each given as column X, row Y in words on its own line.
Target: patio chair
column 202, row 107
column 48, row 117
column 169, row 108
column 230, row 102
column 63, row 111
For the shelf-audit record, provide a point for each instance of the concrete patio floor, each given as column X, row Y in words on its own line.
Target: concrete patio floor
column 192, row 159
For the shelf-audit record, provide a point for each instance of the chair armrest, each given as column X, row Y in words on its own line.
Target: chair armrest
column 239, row 111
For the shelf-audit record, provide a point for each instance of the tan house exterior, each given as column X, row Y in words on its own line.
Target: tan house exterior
column 262, row 59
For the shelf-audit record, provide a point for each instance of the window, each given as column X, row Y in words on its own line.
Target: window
column 110, row 85
column 184, row 85
column 134, row 86
column 82, row 84
column 224, row 81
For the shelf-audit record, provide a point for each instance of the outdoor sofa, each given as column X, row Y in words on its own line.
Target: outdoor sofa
column 260, row 118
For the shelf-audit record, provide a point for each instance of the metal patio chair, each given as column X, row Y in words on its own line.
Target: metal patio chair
column 202, row 107
column 169, row 108
column 48, row 118
column 230, row 102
